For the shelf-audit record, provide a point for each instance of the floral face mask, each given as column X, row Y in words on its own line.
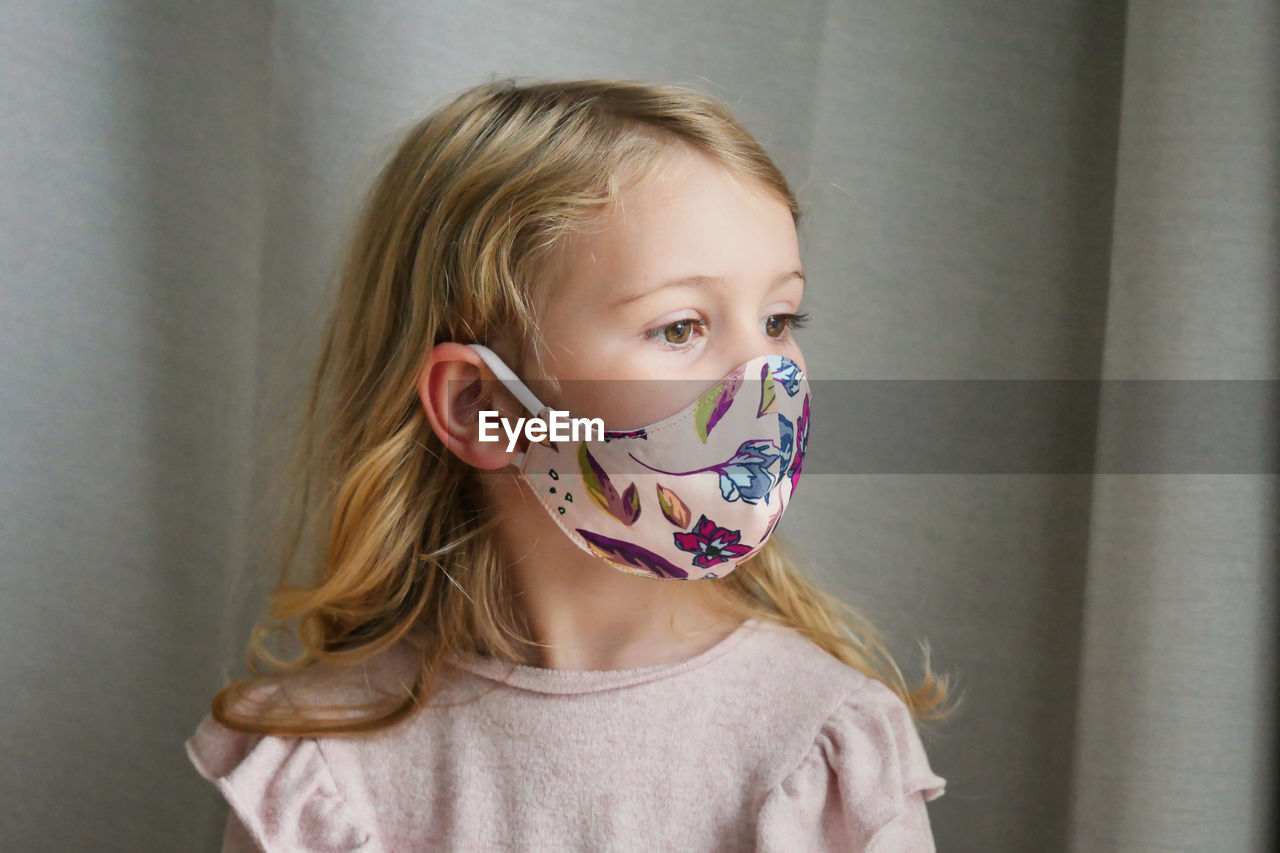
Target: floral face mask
column 689, row 497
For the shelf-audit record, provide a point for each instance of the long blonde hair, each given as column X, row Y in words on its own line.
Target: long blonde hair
column 448, row 246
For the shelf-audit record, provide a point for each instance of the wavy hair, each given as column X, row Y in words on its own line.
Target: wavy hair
column 387, row 536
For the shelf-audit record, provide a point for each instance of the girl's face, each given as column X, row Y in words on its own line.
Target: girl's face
column 692, row 273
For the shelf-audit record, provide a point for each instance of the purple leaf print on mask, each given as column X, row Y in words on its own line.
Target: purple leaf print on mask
column 711, row 544
column 620, row 553
column 802, row 442
column 624, row 507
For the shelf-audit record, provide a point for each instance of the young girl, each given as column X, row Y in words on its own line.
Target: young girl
column 496, row 654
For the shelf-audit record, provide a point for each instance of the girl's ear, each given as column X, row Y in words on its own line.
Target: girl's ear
column 455, row 386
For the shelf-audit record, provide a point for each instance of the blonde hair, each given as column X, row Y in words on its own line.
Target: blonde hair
column 448, row 246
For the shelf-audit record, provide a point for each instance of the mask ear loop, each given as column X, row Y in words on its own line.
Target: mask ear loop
column 513, row 384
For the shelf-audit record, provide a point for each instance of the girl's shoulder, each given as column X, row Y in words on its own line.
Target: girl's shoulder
column 297, row 793
column 856, row 771
column 282, row 792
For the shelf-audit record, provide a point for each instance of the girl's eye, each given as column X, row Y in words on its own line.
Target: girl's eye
column 777, row 325
column 678, row 332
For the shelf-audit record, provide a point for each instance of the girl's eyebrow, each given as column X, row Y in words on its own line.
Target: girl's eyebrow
column 702, row 281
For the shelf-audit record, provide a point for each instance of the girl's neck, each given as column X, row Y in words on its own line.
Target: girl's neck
column 586, row 615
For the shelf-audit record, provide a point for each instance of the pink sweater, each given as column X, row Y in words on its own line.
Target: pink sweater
column 762, row 742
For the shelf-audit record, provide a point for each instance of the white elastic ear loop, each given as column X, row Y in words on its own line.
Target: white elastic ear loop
column 513, row 384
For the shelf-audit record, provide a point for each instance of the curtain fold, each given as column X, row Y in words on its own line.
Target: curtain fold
column 1175, row 741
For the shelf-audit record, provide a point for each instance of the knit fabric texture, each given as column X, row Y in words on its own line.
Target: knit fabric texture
column 762, row 742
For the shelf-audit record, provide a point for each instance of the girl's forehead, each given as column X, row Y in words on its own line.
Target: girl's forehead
column 693, row 217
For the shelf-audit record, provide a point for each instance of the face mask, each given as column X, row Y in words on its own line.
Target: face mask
column 689, row 497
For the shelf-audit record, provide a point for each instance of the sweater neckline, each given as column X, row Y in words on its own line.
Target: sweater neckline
column 544, row 680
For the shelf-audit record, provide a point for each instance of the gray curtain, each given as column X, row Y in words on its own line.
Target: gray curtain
column 1075, row 194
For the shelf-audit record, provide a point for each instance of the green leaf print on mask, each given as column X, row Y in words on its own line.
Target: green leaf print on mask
column 768, row 394
column 713, row 404
column 624, row 507
column 673, row 508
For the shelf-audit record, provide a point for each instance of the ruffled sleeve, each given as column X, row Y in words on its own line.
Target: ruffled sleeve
column 862, row 785
column 281, row 791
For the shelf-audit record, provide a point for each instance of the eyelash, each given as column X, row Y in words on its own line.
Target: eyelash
column 797, row 320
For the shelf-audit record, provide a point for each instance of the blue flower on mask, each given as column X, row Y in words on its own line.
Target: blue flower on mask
column 746, row 476
column 786, row 444
column 786, row 372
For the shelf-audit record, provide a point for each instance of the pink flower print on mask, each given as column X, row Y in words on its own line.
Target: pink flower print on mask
column 711, row 544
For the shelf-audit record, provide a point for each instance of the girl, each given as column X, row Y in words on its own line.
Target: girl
column 495, row 655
